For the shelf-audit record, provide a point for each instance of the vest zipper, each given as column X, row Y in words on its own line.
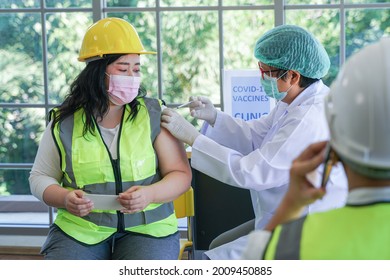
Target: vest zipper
column 118, row 176
column 117, row 173
column 118, row 187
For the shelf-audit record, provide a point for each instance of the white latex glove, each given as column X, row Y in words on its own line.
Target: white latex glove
column 203, row 109
column 178, row 126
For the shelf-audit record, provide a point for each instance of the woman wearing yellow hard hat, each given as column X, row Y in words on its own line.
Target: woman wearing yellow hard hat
column 104, row 161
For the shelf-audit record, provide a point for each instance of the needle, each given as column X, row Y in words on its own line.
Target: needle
column 184, row 105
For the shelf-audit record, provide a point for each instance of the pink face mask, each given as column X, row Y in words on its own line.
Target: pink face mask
column 123, row 89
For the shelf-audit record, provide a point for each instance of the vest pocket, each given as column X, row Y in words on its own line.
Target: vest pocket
column 140, row 168
column 90, row 167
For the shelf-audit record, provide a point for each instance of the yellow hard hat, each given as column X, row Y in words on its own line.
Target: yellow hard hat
column 110, row 36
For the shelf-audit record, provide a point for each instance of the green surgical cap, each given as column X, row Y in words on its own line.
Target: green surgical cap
column 291, row 47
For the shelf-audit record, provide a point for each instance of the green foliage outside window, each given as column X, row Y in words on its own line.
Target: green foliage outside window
column 190, row 50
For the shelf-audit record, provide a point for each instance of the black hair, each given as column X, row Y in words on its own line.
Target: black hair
column 88, row 92
column 304, row 82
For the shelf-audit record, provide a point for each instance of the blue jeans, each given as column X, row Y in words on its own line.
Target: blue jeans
column 120, row 246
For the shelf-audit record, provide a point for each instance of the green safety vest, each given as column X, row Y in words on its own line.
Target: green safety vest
column 87, row 165
column 348, row 233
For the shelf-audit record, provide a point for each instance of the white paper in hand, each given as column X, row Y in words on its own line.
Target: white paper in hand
column 104, row 202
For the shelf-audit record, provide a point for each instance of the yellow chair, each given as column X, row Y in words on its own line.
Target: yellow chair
column 184, row 207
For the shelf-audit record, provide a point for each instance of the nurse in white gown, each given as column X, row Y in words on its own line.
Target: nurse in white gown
column 257, row 154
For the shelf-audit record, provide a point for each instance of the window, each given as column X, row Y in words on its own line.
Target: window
column 38, row 61
column 195, row 41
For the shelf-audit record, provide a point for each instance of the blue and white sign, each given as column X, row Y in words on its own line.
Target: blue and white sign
column 243, row 95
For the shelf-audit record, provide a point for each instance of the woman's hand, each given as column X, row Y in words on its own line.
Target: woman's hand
column 76, row 204
column 135, row 199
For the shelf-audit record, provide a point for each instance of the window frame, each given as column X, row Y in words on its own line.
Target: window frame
column 99, row 10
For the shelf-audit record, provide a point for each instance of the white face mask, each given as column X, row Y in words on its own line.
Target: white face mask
column 123, row 89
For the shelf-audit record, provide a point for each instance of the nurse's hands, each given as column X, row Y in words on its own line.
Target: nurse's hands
column 301, row 191
column 178, row 126
column 202, row 108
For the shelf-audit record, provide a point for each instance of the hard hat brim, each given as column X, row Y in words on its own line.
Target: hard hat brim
column 101, row 56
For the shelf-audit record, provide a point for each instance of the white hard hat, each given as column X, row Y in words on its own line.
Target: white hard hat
column 358, row 109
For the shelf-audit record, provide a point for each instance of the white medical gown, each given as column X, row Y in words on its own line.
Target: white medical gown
column 257, row 155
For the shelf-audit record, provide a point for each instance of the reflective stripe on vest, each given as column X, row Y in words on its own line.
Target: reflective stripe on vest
column 289, row 240
column 348, row 233
column 87, row 165
column 131, row 220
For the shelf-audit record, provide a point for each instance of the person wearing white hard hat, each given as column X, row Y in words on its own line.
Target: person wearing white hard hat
column 257, row 154
column 104, row 161
column 357, row 110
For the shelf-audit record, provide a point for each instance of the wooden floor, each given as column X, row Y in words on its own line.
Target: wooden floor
column 28, row 255
column 21, row 257
column 20, row 253
column 16, row 248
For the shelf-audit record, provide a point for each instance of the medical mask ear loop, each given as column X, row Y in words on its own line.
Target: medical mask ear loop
column 289, row 87
column 273, row 90
column 282, row 76
column 109, row 76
